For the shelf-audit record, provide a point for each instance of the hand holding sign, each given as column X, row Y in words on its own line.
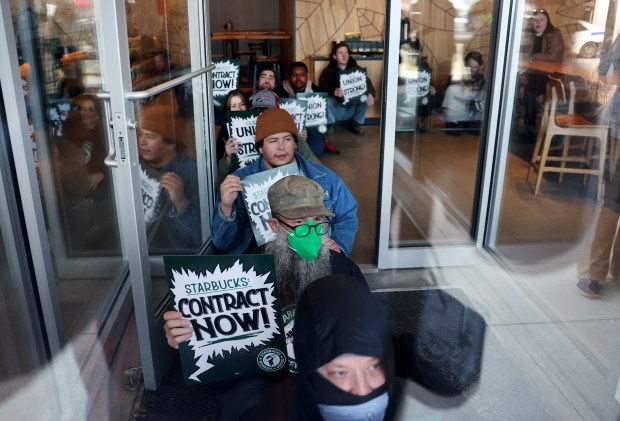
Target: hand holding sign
column 177, row 328
column 229, row 190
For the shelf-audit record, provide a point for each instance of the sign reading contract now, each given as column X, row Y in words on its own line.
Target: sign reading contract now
column 233, row 306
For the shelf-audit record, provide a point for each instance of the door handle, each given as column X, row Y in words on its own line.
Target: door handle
column 148, row 93
column 110, row 159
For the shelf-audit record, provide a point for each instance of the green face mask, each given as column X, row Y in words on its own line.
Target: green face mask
column 306, row 247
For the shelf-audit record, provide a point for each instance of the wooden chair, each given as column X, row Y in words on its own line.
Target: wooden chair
column 577, row 126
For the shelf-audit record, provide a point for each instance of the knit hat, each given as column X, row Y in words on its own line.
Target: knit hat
column 265, row 99
column 275, row 120
column 295, row 197
column 159, row 119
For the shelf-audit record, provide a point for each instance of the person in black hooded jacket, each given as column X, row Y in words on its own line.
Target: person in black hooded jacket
column 345, row 358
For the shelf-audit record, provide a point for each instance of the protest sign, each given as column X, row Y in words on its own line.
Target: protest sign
column 233, row 306
column 242, row 126
column 254, row 192
column 225, row 78
column 354, row 85
column 417, row 86
column 316, row 111
column 297, row 109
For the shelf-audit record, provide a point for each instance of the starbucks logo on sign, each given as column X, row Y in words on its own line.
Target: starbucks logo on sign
column 322, row 128
column 271, row 359
column 363, row 98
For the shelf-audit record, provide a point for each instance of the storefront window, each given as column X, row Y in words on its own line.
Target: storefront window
column 562, row 163
column 440, row 114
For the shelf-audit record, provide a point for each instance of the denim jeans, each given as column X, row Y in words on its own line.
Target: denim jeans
column 338, row 112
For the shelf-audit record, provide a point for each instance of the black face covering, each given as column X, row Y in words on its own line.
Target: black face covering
column 329, row 394
column 338, row 315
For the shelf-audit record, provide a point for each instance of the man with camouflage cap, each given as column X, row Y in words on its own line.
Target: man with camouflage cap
column 301, row 247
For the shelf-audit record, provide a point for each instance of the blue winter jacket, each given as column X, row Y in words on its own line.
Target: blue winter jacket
column 233, row 234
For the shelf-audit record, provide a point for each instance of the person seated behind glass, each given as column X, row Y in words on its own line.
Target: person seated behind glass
column 84, row 178
column 463, row 101
column 276, row 141
column 261, row 100
column 169, row 182
column 546, row 44
column 351, row 115
column 297, row 83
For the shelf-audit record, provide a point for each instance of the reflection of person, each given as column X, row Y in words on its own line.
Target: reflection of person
column 83, row 175
column 345, row 357
column 169, row 182
column 546, row 44
column 160, row 70
column 352, row 115
column 603, row 257
column 414, row 68
column 276, row 141
column 463, row 100
column 298, row 82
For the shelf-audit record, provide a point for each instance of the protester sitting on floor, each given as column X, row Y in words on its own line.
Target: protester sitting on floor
column 169, row 181
column 268, row 80
column 351, row 115
column 276, row 141
column 298, row 82
column 262, row 100
column 295, row 201
column 345, row 358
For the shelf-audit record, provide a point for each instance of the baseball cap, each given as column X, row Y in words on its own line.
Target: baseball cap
column 265, row 99
column 295, row 197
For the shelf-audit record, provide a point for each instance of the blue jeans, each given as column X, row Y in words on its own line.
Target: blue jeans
column 338, row 112
column 316, row 143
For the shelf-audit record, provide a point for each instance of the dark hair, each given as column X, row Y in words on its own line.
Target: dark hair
column 298, row 64
column 80, row 99
column 161, row 52
column 233, row 93
column 266, row 66
column 339, row 44
column 549, row 28
column 474, row 55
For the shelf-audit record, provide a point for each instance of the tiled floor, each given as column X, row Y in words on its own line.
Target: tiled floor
column 550, row 353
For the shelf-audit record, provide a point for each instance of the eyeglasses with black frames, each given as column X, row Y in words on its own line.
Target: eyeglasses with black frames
column 301, row 231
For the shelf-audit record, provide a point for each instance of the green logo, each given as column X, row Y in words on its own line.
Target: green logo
column 271, row 359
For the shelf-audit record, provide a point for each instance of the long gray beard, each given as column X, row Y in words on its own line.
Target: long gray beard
column 295, row 273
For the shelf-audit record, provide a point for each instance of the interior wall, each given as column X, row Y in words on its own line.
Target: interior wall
column 264, row 14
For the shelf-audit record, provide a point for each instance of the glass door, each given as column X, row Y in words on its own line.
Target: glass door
column 115, row 172
column 156, row 86
column 435, row 132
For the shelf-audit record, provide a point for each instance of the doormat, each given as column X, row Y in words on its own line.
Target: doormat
column 173, row 400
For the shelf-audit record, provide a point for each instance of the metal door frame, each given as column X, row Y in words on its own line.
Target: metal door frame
column 492, row 157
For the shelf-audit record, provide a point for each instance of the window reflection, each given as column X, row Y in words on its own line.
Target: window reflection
column 562, row 157
column 440, row 111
